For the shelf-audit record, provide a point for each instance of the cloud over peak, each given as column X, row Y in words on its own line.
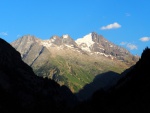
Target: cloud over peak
column 115, row 25
column 145, row 39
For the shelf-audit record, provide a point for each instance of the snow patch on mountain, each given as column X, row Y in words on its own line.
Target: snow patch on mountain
column 69, row 46
column 86, row 39
column 65, row 36
column 86, row 49
column 46, row 43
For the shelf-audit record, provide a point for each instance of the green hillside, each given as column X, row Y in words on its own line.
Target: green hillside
column 76, row 71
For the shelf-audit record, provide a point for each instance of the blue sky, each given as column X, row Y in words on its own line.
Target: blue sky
column 123, row 22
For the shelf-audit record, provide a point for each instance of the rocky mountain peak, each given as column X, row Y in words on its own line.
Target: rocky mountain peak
column 97, row 38
column 29, row 38
column 97, row 44
column 66, row 39
column 54, row 37
column 24, row 44
column 56, row 40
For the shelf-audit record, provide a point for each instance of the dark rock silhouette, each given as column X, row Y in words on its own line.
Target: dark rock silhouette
column 21, row 91
column 130, row 95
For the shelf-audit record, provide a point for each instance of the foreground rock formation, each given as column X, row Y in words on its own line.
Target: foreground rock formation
column 21, row 91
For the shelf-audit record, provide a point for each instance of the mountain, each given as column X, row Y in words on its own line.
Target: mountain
column 73, row 63
column 95, row 43
column 21, row 91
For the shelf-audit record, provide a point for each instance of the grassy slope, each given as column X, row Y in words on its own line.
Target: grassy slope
column 76, row 70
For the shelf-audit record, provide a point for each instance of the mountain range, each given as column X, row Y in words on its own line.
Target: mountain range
column 73, row 63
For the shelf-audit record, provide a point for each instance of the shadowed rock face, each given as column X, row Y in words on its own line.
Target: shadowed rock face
column 22, row 91
column 103, row 81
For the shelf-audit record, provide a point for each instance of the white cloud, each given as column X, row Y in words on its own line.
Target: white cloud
column 3, row 33
column 145, row 39
column 129, row 45
column 115, row 25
